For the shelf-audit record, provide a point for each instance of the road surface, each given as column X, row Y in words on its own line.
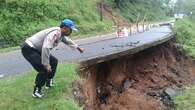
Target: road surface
column 97, row 50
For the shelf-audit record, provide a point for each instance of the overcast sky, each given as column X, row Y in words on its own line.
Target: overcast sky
column 174, row 1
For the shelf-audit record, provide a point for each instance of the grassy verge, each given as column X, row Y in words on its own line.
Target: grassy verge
column 186, row 36
column 15, row 92
column 186, row 100
column 4, row 50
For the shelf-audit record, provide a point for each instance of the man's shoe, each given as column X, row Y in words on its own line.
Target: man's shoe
column 49, row 83
column 37, row 93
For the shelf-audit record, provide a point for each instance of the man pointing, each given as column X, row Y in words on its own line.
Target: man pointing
column 37, row 51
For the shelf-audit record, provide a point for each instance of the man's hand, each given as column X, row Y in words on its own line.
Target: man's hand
column 81, row 50
column 48, row 68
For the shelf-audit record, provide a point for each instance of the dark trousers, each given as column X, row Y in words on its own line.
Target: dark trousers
column 33, row 56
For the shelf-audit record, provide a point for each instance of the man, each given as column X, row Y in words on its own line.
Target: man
column 37, row 51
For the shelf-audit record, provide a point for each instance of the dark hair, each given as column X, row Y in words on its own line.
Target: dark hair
column 62, row 25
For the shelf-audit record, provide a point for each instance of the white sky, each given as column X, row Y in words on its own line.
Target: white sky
column 174, row 1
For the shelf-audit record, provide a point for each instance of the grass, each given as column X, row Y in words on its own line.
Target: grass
column 137, row 10
column 22, row 18
column 186, row 37
column 186, row 101
column 15, row 92
column 8, row 49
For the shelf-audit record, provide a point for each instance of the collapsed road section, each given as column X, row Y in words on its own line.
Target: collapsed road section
column 135, row 73
column 102, row 50
column 96, row 47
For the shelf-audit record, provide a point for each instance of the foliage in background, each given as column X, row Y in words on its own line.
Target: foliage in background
column 186, row 35
column 137, row 10
column 22, row 18
column 185, row 6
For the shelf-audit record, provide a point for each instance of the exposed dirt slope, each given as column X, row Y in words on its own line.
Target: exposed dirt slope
column 108, row 13
column 135, row 82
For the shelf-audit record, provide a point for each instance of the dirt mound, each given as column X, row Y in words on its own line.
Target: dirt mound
column 135, row 82
column 108, row 13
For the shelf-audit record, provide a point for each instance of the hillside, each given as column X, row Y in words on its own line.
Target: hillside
column 137, row 10
column 22, row 18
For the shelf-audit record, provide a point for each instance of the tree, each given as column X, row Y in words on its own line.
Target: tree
column 185, row 6
column 117, row 2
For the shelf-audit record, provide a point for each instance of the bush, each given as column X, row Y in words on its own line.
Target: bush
column 21, row 18
column 185, row 35
column 150, row 10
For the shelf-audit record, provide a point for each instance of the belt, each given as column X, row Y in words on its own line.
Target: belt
column 29, row 43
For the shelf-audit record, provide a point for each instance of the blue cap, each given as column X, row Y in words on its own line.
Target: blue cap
column 69, row 23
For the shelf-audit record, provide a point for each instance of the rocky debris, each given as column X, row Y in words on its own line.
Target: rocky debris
column 127, row 84
column 171, row 92
column 78, row 92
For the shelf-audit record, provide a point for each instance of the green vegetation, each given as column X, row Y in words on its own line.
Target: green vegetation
column 186, row 35
column 137, row 10
column 22, row 18
column 186, row 100
column 15, row 92
column 9, row 49
column 185, row 6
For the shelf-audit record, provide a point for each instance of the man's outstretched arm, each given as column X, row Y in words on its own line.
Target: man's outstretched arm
column 72, row 44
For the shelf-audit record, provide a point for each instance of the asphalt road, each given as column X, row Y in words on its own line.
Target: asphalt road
column 13, row 62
